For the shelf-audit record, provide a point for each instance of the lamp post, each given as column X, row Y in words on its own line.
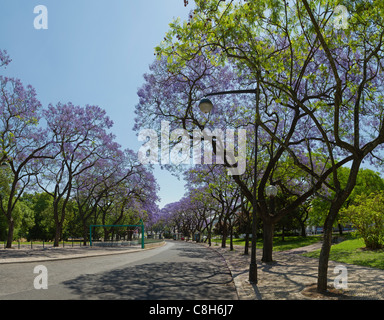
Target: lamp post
column 271, row 191
column 206, row 106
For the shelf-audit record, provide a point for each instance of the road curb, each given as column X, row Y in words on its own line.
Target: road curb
column 77, row 256
column 243, row 287
column 241, row 294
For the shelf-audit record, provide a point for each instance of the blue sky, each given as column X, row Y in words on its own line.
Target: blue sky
column 94, row 52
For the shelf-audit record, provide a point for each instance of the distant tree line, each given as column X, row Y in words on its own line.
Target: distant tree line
column 62, row 170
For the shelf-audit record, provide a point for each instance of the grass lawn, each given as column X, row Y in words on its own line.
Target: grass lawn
column 291, row 242
column 353, row 252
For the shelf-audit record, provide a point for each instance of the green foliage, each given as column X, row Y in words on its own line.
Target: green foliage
column 290, row 242
column 367, row 182
column 48, row 221
column 23, row 216
column 3, row 227
column 367, row 216
column 351, row 251
column 5, row 181
column 33, row 216
column 40, row 203
column 37, row 218
column 24, row 219
column 4, row 191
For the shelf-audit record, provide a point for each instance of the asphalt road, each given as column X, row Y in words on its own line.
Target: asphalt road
column 176, row 271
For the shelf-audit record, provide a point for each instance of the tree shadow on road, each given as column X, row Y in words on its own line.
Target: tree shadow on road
column 157, row 281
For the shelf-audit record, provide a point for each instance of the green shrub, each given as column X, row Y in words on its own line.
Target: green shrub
column 367, row 216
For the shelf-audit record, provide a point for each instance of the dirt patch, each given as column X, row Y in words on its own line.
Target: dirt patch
column 310, row 291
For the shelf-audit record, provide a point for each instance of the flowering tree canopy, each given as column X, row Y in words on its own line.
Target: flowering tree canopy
column 22, row 142
column 72, row 155
column 328, row 80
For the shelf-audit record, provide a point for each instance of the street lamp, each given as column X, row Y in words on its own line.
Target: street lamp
column 4, row 165
column 271, row 191
column 206, row 106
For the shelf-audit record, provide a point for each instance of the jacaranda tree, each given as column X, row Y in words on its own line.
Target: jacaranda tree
column 23, row 143
column 80, row 138
column 325, row 74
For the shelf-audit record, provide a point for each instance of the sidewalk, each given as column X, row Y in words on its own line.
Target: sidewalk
column 8, row 256
column 289, row 277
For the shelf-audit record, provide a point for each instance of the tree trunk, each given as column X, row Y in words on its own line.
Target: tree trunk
column 59, row 215
column 11, row 228
column 224, row 238
column 303, row 233
column 209, row 236
column 85, row 233
column 56, row 217
column 231, row 238
column 340, row 229
column 59, row 227
column 268, row 228
column 106, row 234
column 58, row 232
column 283, row 234
column 322, row 279
column 246, row 249
column 336, row 205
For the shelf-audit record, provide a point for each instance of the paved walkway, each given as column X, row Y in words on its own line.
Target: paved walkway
column 290, row 277
column 48, row 254
column 286, row 279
